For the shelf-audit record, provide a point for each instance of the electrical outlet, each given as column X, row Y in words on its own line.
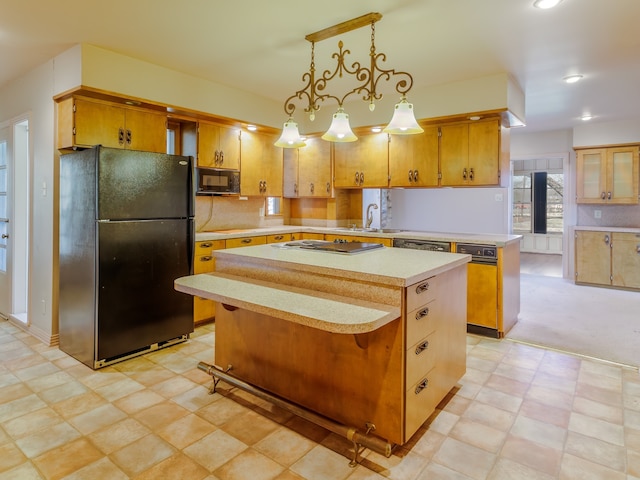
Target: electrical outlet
column 597, row 214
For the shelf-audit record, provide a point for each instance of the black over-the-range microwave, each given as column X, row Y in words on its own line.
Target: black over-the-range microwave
column 217, row 181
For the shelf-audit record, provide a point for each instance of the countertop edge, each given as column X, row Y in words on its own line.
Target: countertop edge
column 499, row 240
column 304, row 307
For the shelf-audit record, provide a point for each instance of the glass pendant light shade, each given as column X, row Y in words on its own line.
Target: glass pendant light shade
column 290, row 137
column 340, row 130
column 404, row 120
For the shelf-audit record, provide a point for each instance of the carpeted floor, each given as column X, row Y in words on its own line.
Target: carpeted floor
column 596, row 322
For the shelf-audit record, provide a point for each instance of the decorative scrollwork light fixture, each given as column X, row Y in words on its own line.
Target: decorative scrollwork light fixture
column 403, row 121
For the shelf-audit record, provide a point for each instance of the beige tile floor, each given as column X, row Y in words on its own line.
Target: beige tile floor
column 518, row 413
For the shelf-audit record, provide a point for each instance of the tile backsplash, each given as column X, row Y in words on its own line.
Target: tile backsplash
column 610, row 216
column 224, row 213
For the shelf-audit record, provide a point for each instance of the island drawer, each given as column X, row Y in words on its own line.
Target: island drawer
column 421, row 321
column 421, row 358
column 246, row 241
column 421, row 293
column 421, row 401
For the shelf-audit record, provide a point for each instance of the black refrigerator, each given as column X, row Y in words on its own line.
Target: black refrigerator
column 126, row 233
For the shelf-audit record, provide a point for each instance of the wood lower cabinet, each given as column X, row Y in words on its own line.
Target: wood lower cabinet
column 86, row 122
column 204, row 262
column 608, row 258
column 607, row 175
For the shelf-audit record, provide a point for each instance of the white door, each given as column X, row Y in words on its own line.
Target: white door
column 5, row 225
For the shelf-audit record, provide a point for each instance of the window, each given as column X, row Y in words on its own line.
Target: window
column 537, row 202
column 273, row 206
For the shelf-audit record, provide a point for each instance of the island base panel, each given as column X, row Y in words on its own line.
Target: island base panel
column 352, row 379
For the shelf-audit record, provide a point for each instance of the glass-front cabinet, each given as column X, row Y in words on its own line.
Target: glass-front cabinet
column 607, row 175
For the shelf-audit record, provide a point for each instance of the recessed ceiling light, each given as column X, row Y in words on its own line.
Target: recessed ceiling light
column 544, row 4
column 376, row 129
column 252, row 128
column 586, row 117
column 572, row 78
column 475, row 117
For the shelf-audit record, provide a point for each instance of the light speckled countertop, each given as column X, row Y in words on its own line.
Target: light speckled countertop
column 500, row 240
column 609, row 229
column 394, row 267
column 330, row 313
column 387, row 266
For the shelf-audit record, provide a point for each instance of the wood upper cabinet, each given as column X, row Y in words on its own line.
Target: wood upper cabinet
column 84, row 122
column 218, row 146
column 261, row 165
column 607, row 175
column 608, row 258
column 363, row 163
column 307, row 170
column 413, row 159
column 470, row 153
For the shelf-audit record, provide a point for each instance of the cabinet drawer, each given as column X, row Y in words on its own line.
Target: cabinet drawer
column 246, row 241
column 203, row 264
column 421, row 293
column 421, row 358
column 205, row 247
column 283, row 237
column 421, row 321
column 420, row 402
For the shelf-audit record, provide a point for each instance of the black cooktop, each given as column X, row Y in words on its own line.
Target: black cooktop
column 339, row 247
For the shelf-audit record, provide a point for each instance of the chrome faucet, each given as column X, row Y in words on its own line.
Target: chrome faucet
column 370, row 214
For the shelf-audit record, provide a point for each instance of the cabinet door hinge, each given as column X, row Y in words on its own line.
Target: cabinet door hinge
column 439, row 175
column 74, row 108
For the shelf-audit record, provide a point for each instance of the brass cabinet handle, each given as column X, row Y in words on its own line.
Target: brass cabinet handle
column 361, row 178
column 295, row 188
column 422, row 385
column 206, row 245
column 471, row 174
column 423, row 287
column 464, row 174
column 357, row 179
column 221, row 157
column 602, row 195
column 278, row 237
column 606, row 239
column 246, row 240
column 216, row 157
column 608, row 195
column 415, row 175
column 410, row 176
column 121, row 136
column 129, row 135
column 422, row 313
column 422, row 347
column 311, row 187
column 328, row 187
column 206, row 258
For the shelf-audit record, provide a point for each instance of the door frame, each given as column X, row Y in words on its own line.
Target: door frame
column 568, row 203
column 19, row 169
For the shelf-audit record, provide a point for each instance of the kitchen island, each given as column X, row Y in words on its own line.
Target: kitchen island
column 373, row 340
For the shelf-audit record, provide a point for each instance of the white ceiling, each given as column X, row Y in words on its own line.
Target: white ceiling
column 259, row 45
